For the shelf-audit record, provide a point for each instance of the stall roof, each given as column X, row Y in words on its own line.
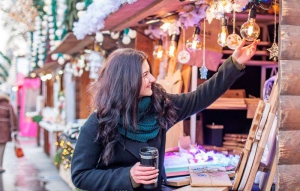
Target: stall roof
column 70, row 44
column 130, row 14
column 47, row 68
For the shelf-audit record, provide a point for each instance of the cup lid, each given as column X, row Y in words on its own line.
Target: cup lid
column 149, row 151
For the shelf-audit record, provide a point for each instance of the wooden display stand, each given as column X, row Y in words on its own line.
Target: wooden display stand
column 264, row 120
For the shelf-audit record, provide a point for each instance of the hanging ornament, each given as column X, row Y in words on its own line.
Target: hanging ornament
column 194, row 43
column 224, row 32
column 132, row 33
column 274, row 48
column 250, row 30
column 126, row 39
column 115, row 35
column 99, row 37
column 183, row 56
column 203, row 69
column 233, row 40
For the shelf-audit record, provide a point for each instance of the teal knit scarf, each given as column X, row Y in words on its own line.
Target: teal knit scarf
column 147, row 124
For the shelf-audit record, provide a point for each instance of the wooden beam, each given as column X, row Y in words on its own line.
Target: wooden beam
column 125, row 13
column 288, row 147
column 257, row 53
column 257, row 63
column 289, row 44
column 289, row 113
column 290, row 77
column 288, row 177
column 290, row 12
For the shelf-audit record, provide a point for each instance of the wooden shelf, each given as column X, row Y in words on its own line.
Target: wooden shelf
column 233, row 103
column 257, row 63
column 257, row 53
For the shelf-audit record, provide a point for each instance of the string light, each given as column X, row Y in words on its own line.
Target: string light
column 250, row 30
column 173, row 45
column 222, row 36
column 158, row 53
column 194, row 43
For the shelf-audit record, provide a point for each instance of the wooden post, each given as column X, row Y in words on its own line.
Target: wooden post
column 289, row 95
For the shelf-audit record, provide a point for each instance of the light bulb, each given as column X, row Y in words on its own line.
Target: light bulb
column 222, row 36
column 250, row 30
column 158, row 53
column 173, row 45
column 194, row 43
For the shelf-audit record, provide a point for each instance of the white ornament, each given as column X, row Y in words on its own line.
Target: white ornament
column 51, row 36
column 132, row 33
column 58, row 32
column 126, row 40
column 80, row 13
column 183, row 57
column 80, row 6
column 99, row 37
column 61, row 60
column 233, row 41
column 54, row 56
column 115, row 35
column 50, row 18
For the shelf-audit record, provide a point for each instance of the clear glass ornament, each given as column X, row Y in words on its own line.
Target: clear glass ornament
column 222, row 36
column 250, row 30
column 194, row 43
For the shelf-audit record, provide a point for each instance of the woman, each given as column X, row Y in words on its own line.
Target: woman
column 133, row 112
column 8, row 124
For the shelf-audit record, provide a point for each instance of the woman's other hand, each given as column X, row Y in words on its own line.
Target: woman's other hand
column 143, row 175
column 243, row 54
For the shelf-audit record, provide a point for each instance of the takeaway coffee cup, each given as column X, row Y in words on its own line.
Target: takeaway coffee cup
column 149, row 157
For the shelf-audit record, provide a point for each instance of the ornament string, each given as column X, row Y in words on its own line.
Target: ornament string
column 274, row 48
column 204, row 38
column 203, row 69
column 275, row 22
column 233, row 21
column 183, row 37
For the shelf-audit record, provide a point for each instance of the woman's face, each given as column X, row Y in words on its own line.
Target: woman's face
column 147, row 80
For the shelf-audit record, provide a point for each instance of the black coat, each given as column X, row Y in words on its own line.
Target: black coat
column 87, row 175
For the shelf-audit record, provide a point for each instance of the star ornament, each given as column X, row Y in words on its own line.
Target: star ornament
column 203, row 72
column 273, row 51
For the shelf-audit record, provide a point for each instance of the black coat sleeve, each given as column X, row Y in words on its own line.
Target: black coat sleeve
column 85, row 175
column 205, row 94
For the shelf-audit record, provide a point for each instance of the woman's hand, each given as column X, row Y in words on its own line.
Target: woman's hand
column 243, row 54
column 143, row 175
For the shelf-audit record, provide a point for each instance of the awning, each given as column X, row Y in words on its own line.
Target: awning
column 70, row 44
column 47, row 68
column 129, row 15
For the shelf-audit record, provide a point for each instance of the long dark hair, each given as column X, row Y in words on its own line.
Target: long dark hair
column 116, row 93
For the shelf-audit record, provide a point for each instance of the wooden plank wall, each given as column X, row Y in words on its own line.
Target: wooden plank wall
column 82, row 98
column 288, row 151
column 49, row 95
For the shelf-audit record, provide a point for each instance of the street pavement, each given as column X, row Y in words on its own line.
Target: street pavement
column 33, row 172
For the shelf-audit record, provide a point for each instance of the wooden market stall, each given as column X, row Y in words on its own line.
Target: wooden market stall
column 286, row 163
column 288, row 78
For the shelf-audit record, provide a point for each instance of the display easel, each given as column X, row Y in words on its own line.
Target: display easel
column 250, row 163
